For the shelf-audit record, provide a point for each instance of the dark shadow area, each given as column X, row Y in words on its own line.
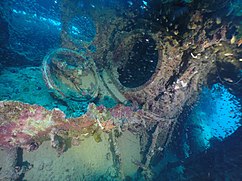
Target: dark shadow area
column 141, row 63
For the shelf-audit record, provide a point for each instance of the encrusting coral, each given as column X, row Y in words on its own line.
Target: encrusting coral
column 27, row 126
column 21, row 124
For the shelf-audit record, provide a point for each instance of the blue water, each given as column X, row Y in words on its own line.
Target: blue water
column 216, row 115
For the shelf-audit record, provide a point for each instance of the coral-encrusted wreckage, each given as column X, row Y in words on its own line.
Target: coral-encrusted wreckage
column 27, row 126
column 186, row 55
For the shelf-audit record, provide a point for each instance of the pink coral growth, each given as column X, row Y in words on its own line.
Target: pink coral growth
column 23, row 124
column 12, row 137
column 120, row 112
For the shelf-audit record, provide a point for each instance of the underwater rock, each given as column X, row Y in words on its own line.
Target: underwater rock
column 7, row 165
column 97, row 137
column 22, row 123
column 27, row 126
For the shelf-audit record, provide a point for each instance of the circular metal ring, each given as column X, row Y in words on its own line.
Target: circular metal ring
column 69, row 75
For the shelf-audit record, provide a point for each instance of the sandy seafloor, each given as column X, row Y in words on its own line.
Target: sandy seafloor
column 27, row 85
column 88, row 161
